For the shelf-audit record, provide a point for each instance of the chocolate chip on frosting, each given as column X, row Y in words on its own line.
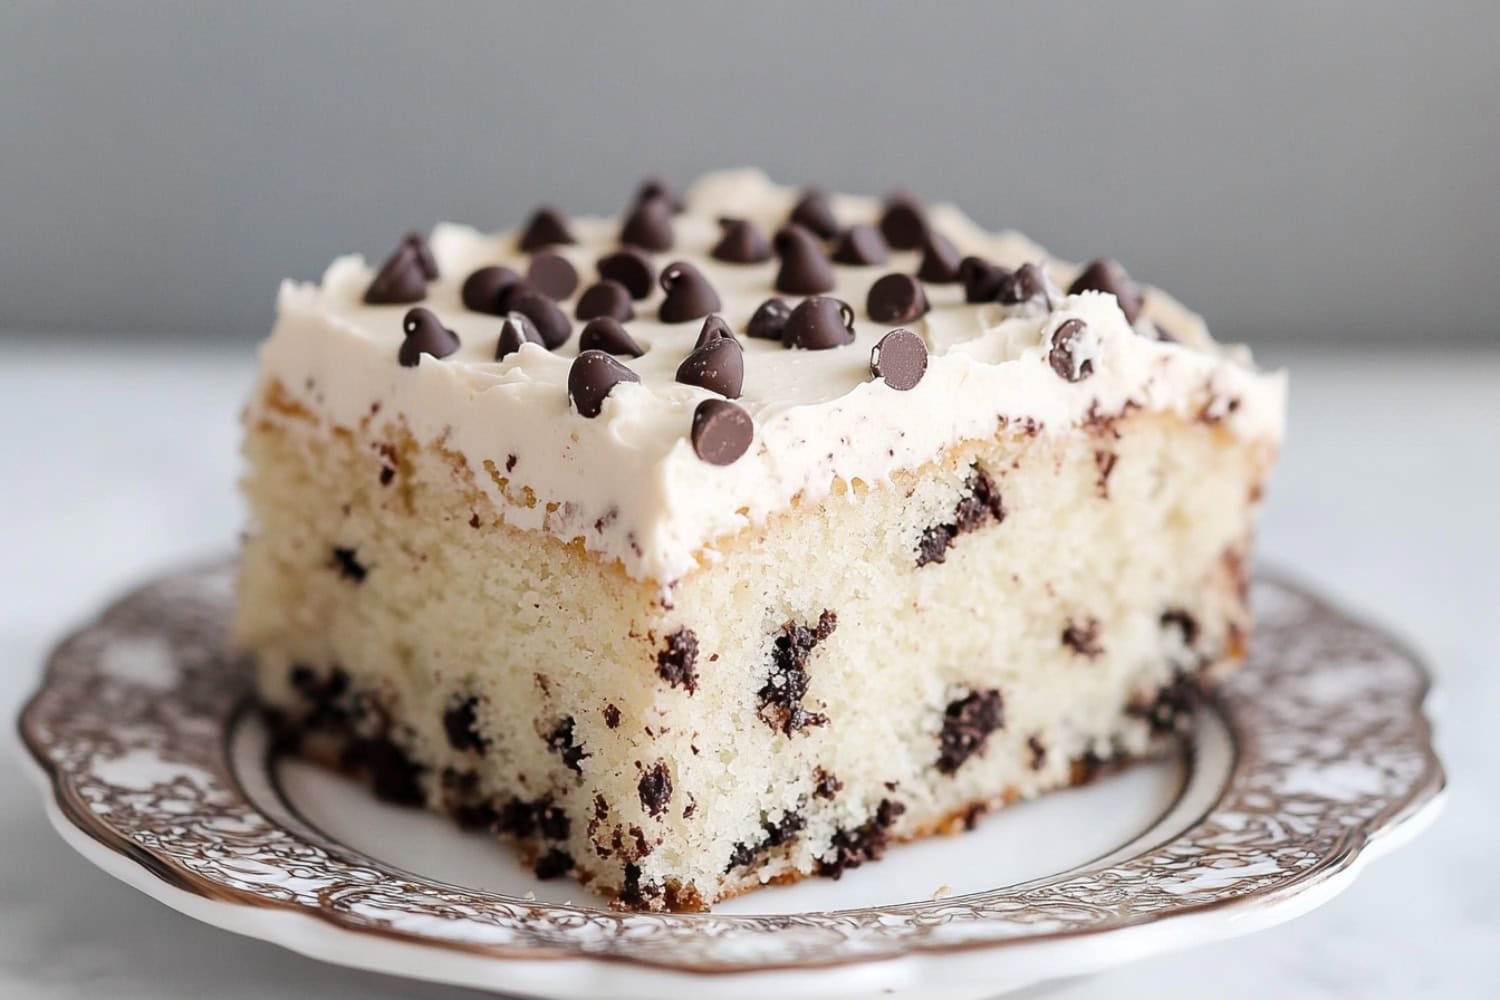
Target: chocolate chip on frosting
column 742, row 243
column 813, row 213
column 605, row 298
column 1106, row 275
column 714, row 328
column 722, row 431
column 518, row 330
column 425, row 334
column 400, row 280
column 904, row 221
column 552, row 275
column 1067, row 356
column 546, row 228
column 591, row 378
column 981, row 279
column 631, row 268
column 689, row 295
column 483, row 289
column 940, row 259
column 605, row 333
column 769, row 319
column 649, row 225
column 804, row 268
column 1030, row 285
column 861, row 245
column 819, row 323
column 419, row 248
column 656, row 187
column 900, row 358
column 717, row 364
column 896, row 298
column 551, row 322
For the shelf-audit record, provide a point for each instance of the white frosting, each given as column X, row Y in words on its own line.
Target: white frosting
column 628, row 482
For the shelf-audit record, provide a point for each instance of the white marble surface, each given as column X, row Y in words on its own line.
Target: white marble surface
column 118, row 459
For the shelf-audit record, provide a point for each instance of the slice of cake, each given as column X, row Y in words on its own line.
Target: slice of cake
column 732, row 539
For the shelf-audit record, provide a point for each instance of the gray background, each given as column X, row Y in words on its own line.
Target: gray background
column 1297, row 171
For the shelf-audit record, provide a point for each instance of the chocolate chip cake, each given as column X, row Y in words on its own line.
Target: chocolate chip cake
column 731, row 539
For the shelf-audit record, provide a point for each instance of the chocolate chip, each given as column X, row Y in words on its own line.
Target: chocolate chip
column 649, row 225
column 776, row 834
column 424, row 335
column 722, row 431
column 1184, row 623
column 551, row 322
column 656, row 187
column 1083, row 639
column 714, row 328
column 1106, row 275
column 718, row 366
column 804, row 269
column 605, row 298
column 612, row 716
column 1030, row 285
column 400, row 280
column 896, row 298
column 393, row 776
column 546, row 228
column 484, row 289
column 631, row 268
column 552, row 275
column 1067, row 357
column 978, row 505
column 460, row 721
column 560, row 741
column 904, row 221
column 967, row 724
column 866, row 842
column 861, row 245
column 553, row 864
column 769, row 320
column 591, row 378
column 826, row 785
column 655, row 788
column 981, row 279
column 346, row 561
column 1171, row 709
column 900, row 358
column 518, row 330
column 419, row 248
column 781, row 696
column 473, row 815
column 604, row 333
column 940, row 259
column 677, row 663
column 1038, row 752
column 819, row 323
column 742, row 243
column 813, row 213
column 689, row 295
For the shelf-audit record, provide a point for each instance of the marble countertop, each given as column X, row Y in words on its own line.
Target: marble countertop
column 118, row 459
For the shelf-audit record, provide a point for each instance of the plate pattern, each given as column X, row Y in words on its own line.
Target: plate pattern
column 1331, row 751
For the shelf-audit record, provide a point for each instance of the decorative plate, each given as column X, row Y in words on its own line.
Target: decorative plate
column 1314, row 758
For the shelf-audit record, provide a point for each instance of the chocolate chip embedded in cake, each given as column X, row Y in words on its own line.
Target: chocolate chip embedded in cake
column 795, row 548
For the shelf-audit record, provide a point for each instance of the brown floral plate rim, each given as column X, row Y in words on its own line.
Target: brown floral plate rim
column 1332, row 753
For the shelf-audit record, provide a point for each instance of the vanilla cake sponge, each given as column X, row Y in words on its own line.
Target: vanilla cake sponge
column 730, row 540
